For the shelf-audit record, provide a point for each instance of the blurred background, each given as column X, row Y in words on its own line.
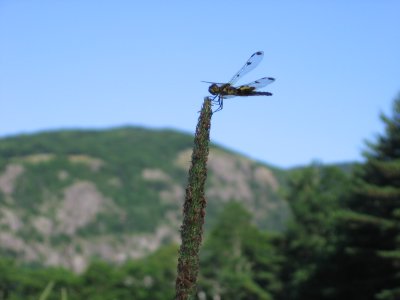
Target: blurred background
column 99, row 101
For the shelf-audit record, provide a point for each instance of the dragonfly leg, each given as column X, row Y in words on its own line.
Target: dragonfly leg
column 220, row 102
column 213, row 99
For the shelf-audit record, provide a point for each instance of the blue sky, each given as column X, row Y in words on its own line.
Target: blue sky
column 100, row 64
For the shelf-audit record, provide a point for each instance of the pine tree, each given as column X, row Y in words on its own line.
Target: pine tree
column 369, row 262
column 239, row 261
column 315, row 195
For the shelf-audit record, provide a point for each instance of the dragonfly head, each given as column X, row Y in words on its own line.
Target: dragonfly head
column 214, row 89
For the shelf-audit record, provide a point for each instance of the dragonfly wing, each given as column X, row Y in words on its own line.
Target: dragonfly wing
column 217, row 83
column 260, row 83
column 253, row 61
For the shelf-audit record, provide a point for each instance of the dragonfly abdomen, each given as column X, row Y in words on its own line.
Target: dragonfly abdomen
column 245, row 90
column 259, row 94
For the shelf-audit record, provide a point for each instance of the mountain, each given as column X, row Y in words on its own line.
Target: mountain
column 67, row 197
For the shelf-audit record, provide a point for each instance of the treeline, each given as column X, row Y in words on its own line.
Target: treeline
column 343, row 242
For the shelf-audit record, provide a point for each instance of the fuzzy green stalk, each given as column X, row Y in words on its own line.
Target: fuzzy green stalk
column 46, row 293
column 194, row 208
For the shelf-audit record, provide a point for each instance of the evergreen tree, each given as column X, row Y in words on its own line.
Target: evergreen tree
column 315, row 195
column 238, row 260
column 369, row 260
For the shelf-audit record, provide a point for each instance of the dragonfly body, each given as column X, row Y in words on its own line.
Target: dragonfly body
column 222, row 91
column 229, row 90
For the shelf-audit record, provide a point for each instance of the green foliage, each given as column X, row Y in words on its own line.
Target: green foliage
column 149, row 278
column 153, row 277
column 239, row 261
column 18, row 282
column 47, row 291
column 369, row 253
column 315, row 194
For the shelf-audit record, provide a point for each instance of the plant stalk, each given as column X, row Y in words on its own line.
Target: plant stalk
column 194, row 208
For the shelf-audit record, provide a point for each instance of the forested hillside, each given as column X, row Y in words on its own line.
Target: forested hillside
column 67, row 197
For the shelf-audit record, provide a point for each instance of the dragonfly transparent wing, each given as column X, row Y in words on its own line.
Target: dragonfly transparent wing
column 260, row 83
column 253, row 61
column 217, row 83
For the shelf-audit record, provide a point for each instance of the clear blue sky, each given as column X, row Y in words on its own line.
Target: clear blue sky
column 97, row 64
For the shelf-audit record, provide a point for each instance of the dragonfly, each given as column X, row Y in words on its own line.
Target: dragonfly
column 223, row 91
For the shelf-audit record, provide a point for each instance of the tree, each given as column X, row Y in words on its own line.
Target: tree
column 238, row 260
column 370, row 252
column 315, row 194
